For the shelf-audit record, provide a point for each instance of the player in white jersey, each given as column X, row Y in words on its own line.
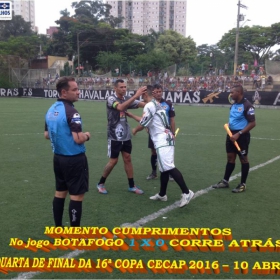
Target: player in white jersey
column 154, row 118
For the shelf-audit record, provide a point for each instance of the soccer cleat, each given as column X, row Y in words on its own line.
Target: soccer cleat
column 136, row 190
column 186, row 198
column 240, row 188
column 171, row 178
column 158, row 197
column 152, row 176
column 222, row 184
column 101, row 189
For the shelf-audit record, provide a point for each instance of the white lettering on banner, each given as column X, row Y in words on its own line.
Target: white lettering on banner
column 277, row 99
column 49, row 93
column 27, row 91
column 108, row 94
column 196, row 96
column 178, row 96
column 187, row 98
column 9, row 92
column 96, row 95
column 169, row 97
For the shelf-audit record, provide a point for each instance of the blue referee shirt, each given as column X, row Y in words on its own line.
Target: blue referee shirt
column 60, row 121
column 241, row 114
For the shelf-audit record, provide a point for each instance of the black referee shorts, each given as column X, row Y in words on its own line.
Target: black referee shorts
column 71, row 173
column 243, row 142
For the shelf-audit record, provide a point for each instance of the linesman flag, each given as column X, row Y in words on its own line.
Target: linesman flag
column 4, row 6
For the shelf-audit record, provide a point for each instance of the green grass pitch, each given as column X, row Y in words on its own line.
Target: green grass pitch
column 27, row 188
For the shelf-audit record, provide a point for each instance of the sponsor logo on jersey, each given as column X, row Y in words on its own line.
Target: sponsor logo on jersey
column 76, row 118
column 251, row 111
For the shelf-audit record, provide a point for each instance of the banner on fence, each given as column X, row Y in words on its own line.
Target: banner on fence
column 180, row 97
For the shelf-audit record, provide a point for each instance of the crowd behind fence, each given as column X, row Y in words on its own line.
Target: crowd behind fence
column 191, row 83
column 47, row 79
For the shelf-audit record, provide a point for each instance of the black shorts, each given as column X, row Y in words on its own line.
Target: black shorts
column 115, row 147
column 151, row 143
column 243, row 142
column 71, row 173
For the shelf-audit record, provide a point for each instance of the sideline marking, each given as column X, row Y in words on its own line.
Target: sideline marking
column 151, row 217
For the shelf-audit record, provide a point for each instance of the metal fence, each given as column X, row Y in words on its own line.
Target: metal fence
column 46, row 78
column 33, row 78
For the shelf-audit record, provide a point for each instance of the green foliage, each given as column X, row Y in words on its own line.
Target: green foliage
column 4, row 78
column 109, row 61
column 179, row 48
column 92, row 28
column 256, row 41
column 183, row 71
column 27, row 47
column 94, row 12
column 154, row 61
column 15, row 27
column 129, row 45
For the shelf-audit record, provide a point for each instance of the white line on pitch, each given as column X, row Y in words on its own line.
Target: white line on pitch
column 144, row 220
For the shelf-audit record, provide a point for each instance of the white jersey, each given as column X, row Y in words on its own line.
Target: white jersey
column 155, row 119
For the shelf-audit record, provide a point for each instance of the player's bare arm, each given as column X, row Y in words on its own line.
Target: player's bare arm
column 46, row 135
column 137, row 129
column 124, row 106
column 141, row 104
column 137, row 118
column 172, row 125
column 81, row 137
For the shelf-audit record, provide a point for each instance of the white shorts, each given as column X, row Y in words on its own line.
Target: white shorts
column 165, row 158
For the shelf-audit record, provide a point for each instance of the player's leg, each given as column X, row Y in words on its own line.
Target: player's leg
column 153, row 175
column 114, row 148
column 61, row 190
column 164, row 177
column 58, row 207
column 243, row 142
column 77, row 183
column 128, row 167
column 230, row 165
column 167, row 167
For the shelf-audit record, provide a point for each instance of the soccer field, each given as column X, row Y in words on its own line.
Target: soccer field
column 27, row 189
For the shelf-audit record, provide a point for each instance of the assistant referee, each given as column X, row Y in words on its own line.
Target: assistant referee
column 241, row 121
column 63, row 126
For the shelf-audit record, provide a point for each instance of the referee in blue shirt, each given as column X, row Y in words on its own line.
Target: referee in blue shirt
column 241, row 121
column 63, row 126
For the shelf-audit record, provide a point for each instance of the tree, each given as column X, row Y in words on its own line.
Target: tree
column 256, row 40
column 130, row 45
column 26, row 47
column 93, row 12
column 179, row 48
column 15, row 27
column 108, row 61
column 155, row 60
column 65, row 13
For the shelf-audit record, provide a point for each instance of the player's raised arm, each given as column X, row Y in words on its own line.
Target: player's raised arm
column 123, row 106
column 137, row 118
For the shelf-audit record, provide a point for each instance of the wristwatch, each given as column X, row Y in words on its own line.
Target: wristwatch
column 240, row 132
